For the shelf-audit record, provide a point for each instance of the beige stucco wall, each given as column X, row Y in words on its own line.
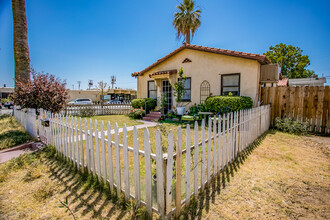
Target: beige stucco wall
column 207, row 66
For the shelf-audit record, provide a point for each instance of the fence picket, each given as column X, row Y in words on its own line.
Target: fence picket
column 147, row 152
column 196, row 159
column 97, row 148
column 110, row 158
column 126, row 167
column 91, row 146
column 203, row 154
column 159, row 173
column 188, row 161
column 231, row 137
column 209, row 150
column 117, row 154
column 87, row 147
column 77, row 143
column 219, row 143
column 214, row 146
column 178, row 172
column 81, row 144
column 104, row 156
column 71, row 139
column 169, row 172
column 136, row 165
column 223, row 141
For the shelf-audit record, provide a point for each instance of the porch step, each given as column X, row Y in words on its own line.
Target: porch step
column 152, row 116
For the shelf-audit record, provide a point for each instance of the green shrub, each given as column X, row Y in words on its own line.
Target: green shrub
column 137, row 113
column 138, row 103
column 86, row 111
column 235, row 103
column 289, row 125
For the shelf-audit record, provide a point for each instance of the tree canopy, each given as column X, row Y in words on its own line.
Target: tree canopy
column 291, row 60
column 186, row 20
column 43, row 91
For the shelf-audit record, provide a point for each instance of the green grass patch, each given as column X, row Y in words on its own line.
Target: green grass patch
column 11, row 132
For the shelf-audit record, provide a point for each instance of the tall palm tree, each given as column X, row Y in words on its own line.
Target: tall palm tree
column 186, row 19
column 21, row 46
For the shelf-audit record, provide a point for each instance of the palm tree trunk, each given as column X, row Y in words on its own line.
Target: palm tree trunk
column 188, row 37
column 21, row 46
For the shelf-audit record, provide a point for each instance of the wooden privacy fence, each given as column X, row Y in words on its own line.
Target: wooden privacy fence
column 98, row 109
column 305, row 103
column 161, row 172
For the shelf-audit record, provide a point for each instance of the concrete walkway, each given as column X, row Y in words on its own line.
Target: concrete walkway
column 14, row 152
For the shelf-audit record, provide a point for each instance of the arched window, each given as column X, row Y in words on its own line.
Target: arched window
column 205, row 90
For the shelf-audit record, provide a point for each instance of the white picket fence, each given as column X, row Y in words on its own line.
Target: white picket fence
column 28, row 119
column 151, row 178
column 123, row 108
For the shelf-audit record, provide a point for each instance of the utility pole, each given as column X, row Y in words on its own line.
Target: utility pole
column 79, row 82
column 113, row 81
column 90, row 83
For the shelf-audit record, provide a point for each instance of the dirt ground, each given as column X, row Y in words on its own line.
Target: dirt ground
column 284, row 177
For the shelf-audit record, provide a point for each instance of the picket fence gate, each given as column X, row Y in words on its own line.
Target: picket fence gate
column 163, row 182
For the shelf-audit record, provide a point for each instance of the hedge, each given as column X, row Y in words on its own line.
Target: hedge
column 236, row 103
column 138, row 103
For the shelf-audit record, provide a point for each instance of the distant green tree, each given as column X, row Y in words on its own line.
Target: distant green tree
column 293, row 64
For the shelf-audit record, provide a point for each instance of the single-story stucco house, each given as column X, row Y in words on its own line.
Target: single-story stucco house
column 209, row 72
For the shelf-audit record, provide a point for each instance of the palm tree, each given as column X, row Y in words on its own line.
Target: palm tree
column 21, row 46
column 186, row 19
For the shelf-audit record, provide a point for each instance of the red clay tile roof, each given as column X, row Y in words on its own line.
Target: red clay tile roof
column 260, row 58
column 283, row 82
column 163, row 72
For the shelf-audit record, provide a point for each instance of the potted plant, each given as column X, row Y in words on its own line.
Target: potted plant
column 179, row 92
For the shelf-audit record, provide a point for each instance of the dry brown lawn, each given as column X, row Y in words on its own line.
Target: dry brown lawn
column 284, row 177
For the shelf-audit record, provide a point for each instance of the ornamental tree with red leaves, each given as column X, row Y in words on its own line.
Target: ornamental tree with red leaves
column 43, row 91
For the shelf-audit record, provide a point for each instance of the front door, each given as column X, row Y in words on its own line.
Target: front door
column 167, row 91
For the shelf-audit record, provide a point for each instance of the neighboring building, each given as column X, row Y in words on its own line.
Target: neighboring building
column 5, row 92
column 95, row 95
column 307, row 82
column 209, row 72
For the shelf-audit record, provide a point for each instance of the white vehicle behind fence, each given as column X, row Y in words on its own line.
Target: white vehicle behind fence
column 81, row 102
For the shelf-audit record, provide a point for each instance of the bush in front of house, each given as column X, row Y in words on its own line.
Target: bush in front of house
column 150, row 103
column 137, row 113
column 235, row 103
column 289, row 125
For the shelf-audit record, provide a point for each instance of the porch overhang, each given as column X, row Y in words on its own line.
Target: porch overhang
column 162, row 74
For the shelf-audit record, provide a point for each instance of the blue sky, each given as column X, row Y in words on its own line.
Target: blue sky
column 84, row 39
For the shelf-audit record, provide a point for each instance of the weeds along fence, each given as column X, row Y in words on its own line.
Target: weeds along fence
column 159, row 169
column 97, row 109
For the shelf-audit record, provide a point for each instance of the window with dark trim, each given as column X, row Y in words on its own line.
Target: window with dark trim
column 230, row 83
column 152, row 90
column 187, row 88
